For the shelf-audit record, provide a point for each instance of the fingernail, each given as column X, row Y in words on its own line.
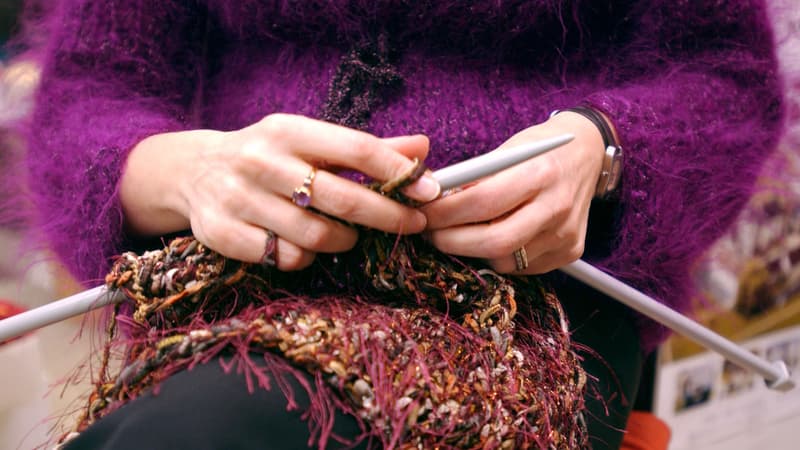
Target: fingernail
column 425, row 189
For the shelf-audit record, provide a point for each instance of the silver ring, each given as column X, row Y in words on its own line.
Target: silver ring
column 270, row 256
column 301, row 196
column 521, row 259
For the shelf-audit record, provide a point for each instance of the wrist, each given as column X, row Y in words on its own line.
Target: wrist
column 589, row 138
column 153, row 180
column 609, row 174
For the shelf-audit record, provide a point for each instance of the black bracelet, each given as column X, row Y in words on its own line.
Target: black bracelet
column 598, row 120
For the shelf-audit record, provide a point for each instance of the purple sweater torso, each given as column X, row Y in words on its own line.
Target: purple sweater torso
column 691, row 85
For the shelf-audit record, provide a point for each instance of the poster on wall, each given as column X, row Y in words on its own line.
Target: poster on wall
column 711, row 403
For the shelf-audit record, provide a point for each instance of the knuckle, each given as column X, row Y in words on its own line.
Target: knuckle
column 231, row 194
column 362, row 148
column 500, row 245
column 568, row 236
column 292, row 259
column 556, row 212
column 252, row 157
column 576, row 251
column 275, row 125
column 251, row 151
column 216, row 237
column 256, row 161
column 315, row 236
column 340, row 204
column 562, row 207
column 549, row 172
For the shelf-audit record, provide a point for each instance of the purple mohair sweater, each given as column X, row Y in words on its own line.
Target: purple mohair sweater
column 691, row 86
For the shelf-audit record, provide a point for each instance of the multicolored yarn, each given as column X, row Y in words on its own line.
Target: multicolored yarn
column 424, row 349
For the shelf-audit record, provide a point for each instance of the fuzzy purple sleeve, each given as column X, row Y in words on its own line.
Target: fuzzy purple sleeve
column 111, row 76
column 700, row 112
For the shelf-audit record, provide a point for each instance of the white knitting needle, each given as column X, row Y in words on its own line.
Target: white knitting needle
column 775, row 373
column 490, row 163
column 59, row 310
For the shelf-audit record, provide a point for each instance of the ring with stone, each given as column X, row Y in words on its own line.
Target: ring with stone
column 302, row 195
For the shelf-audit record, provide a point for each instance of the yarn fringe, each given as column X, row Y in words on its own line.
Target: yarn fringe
column 423, row 349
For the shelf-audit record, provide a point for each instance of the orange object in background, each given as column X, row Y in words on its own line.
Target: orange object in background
column 8, row 309
column 645, row 431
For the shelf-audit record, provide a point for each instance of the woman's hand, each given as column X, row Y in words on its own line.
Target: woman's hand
column 541, row 205
column 231, row 187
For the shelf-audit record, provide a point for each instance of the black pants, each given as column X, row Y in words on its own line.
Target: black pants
column 606, row 327
column 207, row 409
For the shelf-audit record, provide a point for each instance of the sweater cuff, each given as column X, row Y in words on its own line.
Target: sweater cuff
column 691, row 160
column 78, row 186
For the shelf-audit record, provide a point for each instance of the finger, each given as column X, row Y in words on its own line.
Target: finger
column 550, row 248
column 345, row 199
column 543, row 263
column 557, row 247
column 498, row 238
column 355, row 203
column 345, row 147
column 479, row 240
column 546, row 252
column 413, row 146
column 302, row 227
column 550, row 261
column 493, row 196
column 245, row 242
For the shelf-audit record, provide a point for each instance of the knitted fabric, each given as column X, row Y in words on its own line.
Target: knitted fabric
column 691, row 85
column 426, row 350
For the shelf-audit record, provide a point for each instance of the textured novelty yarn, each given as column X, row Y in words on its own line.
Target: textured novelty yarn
column 426, row 351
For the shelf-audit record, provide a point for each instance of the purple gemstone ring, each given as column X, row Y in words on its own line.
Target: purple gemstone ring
column 302, row 195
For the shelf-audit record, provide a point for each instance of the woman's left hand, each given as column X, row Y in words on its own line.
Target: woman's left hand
column 541, row 205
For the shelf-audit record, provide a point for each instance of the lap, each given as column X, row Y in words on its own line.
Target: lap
column 613, row 359
column 206, row 408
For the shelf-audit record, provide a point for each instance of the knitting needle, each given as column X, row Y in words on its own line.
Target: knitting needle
column 449, row 177
column 490, row 163
column 775, row 373
column 59, row 310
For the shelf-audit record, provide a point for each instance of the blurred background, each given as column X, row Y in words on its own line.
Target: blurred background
column 749, row 283
column 35, row 392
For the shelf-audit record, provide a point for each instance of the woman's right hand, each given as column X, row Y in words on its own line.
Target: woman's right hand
column 230, row 187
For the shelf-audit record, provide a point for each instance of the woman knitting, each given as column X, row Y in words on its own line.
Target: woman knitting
column 263, row 127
